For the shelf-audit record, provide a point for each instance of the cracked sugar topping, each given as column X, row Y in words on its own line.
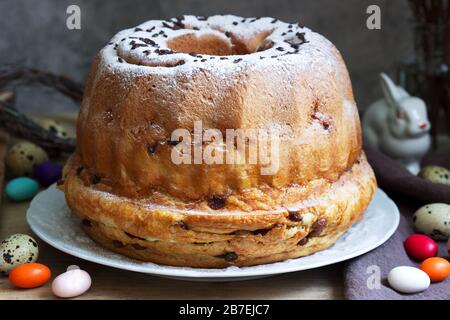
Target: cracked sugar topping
column 218, row 42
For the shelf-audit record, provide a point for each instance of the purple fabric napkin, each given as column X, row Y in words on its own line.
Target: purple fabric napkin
column 409, row 193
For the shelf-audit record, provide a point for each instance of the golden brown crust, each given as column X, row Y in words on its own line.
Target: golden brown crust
column 244, row 74
column 170, row 235
column 124, row 114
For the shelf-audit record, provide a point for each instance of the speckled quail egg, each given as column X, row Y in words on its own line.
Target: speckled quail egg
column 53, row 126
column 21, row 158
column 435, row 174
column 7, row 96
column 433, row 220
column 17, row 249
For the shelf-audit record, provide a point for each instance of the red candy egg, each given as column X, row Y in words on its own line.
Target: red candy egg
column 420, row 247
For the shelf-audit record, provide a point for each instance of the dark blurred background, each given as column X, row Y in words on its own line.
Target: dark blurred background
column 34, row 33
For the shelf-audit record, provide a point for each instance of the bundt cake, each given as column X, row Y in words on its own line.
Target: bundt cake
column 226, row 73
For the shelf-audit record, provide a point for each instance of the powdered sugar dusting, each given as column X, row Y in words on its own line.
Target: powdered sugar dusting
column 145, row 49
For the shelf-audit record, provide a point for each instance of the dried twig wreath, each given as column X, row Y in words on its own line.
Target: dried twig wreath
column 18, row 124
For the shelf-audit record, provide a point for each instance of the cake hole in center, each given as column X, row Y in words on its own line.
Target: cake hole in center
column 211, row 44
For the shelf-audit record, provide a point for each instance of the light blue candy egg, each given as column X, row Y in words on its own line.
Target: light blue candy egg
column 20, row 189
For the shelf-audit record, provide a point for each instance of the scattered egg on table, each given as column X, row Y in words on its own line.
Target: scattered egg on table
column 17, row 249
column 72, row 283
column 53, row 126
column 420, row 247
column 29, row 275
column 407, row 279
column 7, row 96
column 20, row 189
column 438, row 269
column 433, row 220
column 21, row 158
column 435, row 174
column 48, row 172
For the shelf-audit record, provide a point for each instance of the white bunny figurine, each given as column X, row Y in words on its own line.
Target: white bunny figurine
column 398, row 125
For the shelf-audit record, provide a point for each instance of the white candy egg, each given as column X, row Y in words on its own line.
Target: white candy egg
column 72, row 283
column 408, row 279
column 433, row 220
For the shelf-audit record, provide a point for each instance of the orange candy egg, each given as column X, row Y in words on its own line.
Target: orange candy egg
column 438, row 269
column 29, row 275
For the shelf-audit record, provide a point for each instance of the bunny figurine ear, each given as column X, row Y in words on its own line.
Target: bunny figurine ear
column 392, row 92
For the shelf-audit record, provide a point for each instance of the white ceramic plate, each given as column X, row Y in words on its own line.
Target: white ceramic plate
column 51, row 219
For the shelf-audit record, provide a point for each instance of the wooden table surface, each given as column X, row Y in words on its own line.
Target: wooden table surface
column 111, row 283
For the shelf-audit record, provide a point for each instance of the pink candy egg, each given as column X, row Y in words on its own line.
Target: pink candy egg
column 420, row 247
column 71, row 283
